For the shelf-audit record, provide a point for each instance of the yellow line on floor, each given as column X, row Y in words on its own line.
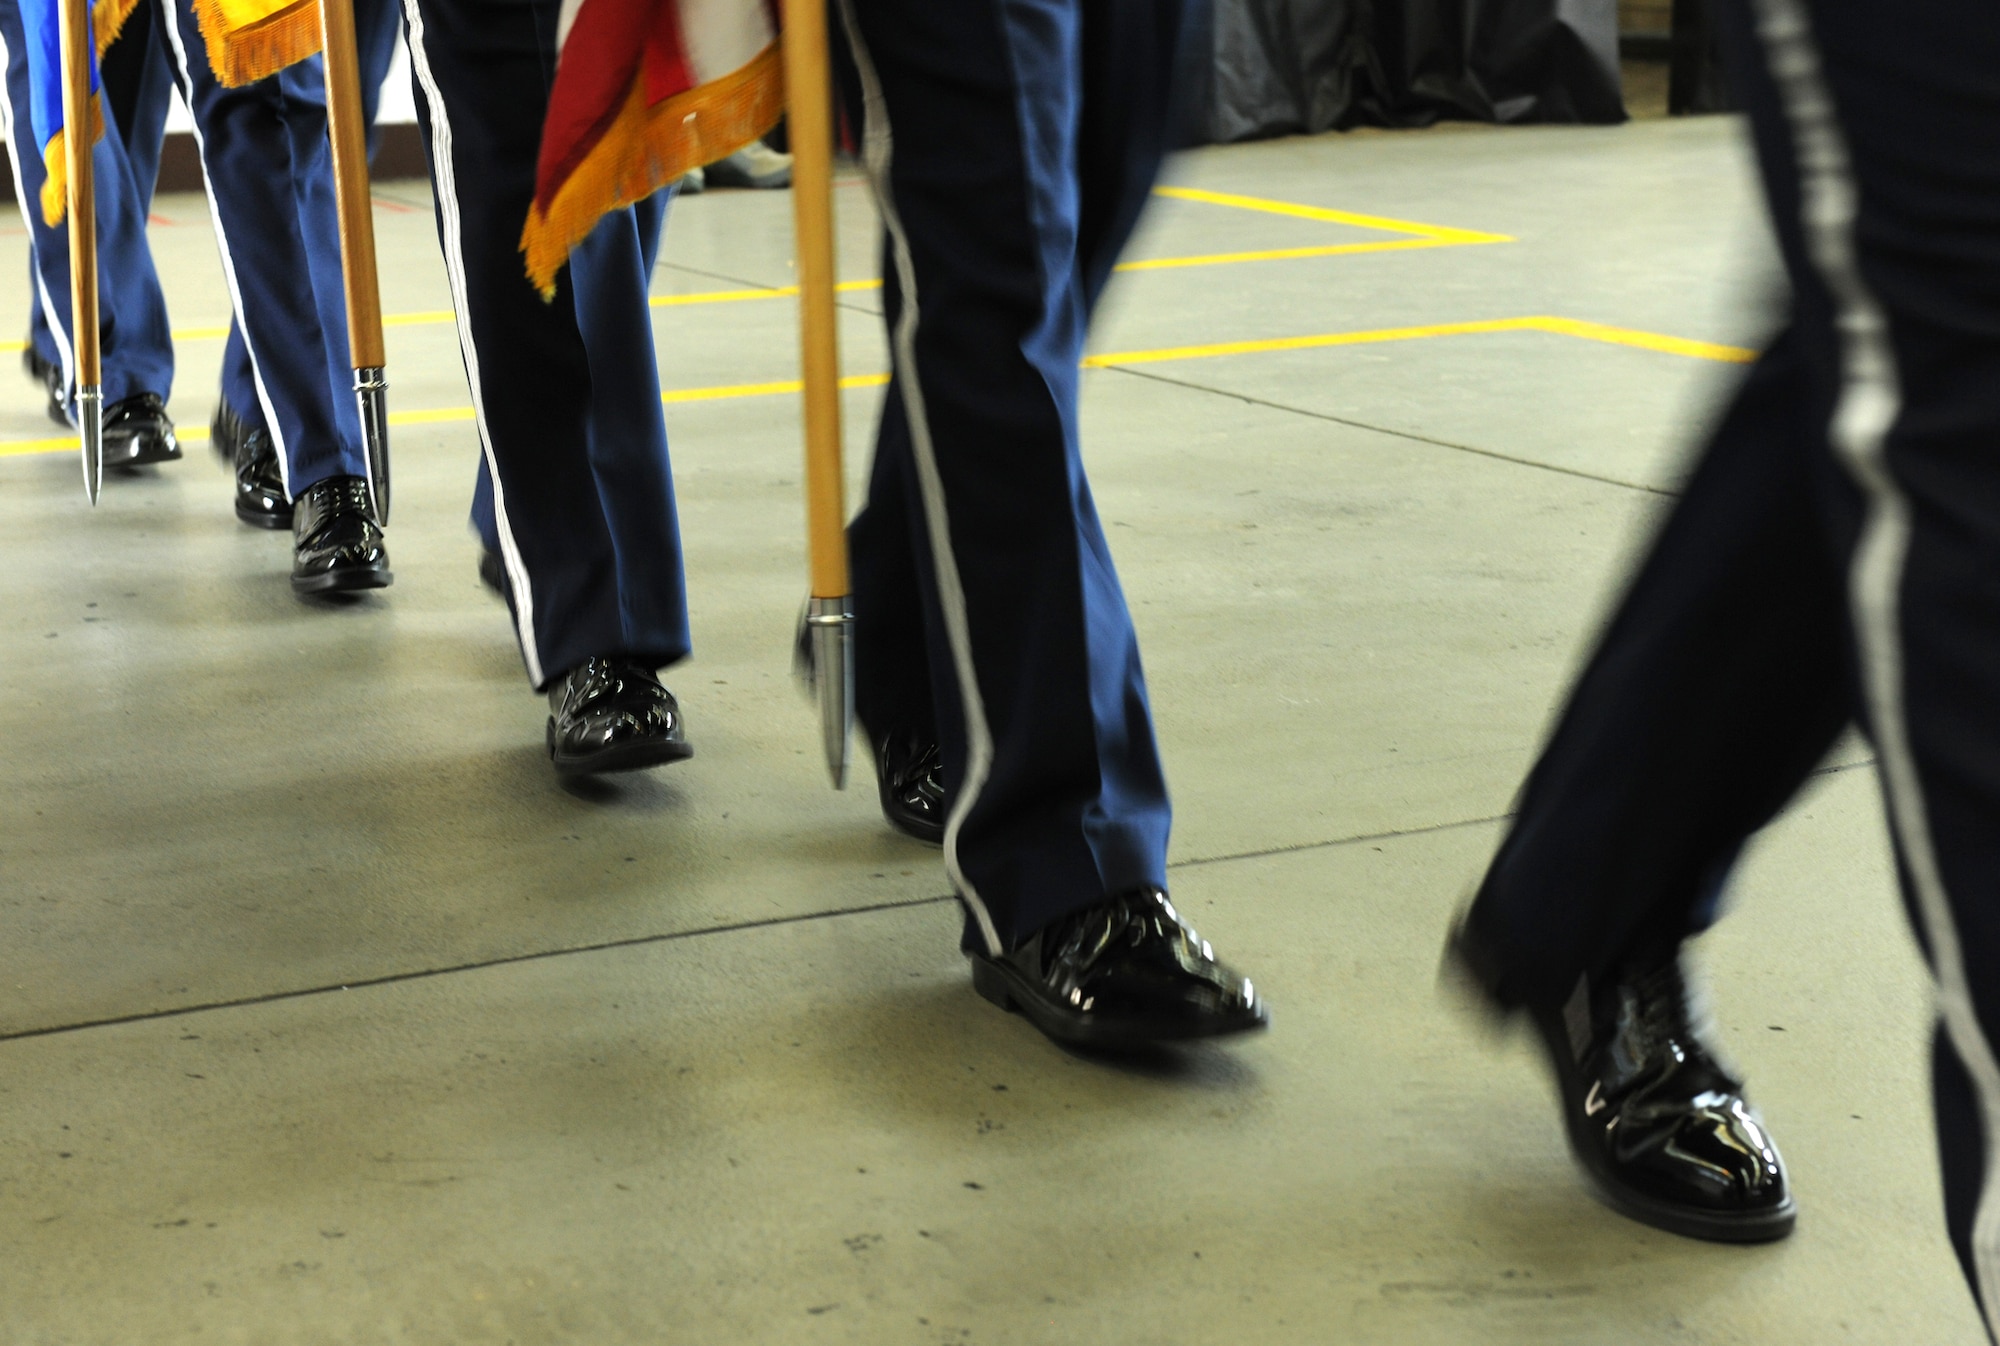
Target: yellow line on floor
column 1442, row 233
column 1645, row 341
column 448, row 415
column 1569, row 327
column 1286, row 254
column 1424, row 236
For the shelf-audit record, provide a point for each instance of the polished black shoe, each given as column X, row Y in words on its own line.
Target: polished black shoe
column 49, row 375
column 610, row 714
column 1661, row 1128
column 909, row 777
column 336, row 547
column 261, row 501
column 137, row 432
column 1125, row 973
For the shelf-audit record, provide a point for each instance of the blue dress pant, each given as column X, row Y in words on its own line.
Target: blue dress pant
column 268, row 166
column 651, row 217
column 375, row 27
column 135, row 340
column 1011, row 144
column 1835, row 559
column 566, row 393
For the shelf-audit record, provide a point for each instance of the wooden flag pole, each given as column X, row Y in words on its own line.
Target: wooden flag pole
column 349, row 137
column 79, row 126
column 829, row 612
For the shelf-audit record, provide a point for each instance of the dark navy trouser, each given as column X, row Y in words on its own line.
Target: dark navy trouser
column 136, row 344
column 1012, row 144
column 650, row 215
column 265, row 155
column 566, row 393
column 375, row 28
column 1835, row 559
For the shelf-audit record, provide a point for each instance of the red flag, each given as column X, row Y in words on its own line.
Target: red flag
column 645, row 90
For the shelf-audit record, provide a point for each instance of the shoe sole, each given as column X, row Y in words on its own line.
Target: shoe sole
column 638, row 755
column 1011, row 992
column 258, row 518
column 343, row 581
column 928, row 834
column 1712, row 1227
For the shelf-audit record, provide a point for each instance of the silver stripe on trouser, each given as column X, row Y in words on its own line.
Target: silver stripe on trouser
column 454, row 265
column 877, row 145
column 1870, row 400
column 173, row 28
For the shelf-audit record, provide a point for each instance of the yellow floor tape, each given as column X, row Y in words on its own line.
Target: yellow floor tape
column 1569, row 327
column 1418, row 235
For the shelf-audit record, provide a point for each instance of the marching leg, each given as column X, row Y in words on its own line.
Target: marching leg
column 1056, row 832
column 575, row 509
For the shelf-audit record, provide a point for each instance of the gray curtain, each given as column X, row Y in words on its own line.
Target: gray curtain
column 1279, row 67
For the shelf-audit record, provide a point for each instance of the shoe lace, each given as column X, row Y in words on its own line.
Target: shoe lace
column 1129, row 919
column 1657, row 1036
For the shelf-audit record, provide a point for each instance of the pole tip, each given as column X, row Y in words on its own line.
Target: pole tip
column 90, row 429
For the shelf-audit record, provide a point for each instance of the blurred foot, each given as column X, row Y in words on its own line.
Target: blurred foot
column 493, row 572
column 612, row 714
column 137, row 432
column 336, row 546
column 261, row 501
column 49, row 375
column 1125, row 973
column 755, row 165
column 1662, row 1131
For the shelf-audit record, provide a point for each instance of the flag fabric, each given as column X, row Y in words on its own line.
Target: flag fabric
column 645, row 90
column 247, row 40
column 250, row 39
column 41, row 24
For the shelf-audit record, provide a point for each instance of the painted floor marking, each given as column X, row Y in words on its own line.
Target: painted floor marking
column 1553, row 326
column 1571, row 327
column 1417, row 235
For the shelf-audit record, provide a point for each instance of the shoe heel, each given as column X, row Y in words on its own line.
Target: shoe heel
column 991, row 983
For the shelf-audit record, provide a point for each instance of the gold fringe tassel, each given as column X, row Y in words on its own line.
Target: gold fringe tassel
column 647, row 148
column 249, row 40
column 55, row 187
column 107, row 20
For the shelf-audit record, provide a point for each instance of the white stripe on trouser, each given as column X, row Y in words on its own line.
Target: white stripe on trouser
column 876, row 147
column 173, row 26
column 454, row 265
column 1869, row 403
column 28, row 203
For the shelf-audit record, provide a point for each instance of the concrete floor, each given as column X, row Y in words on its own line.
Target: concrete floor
column 327, row 1016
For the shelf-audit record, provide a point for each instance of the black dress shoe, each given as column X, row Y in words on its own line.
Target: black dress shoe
column 261, row 501
column 1661, row 1129
column 610, row 714
column 1125, row 973
column 336, row 547
column 49, row 375
column 909, row 777
column 137, row 432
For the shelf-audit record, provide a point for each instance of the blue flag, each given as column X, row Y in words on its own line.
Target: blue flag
column 41, row 21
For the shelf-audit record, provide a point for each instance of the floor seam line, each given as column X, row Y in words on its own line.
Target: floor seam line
column 1391, row 431
column 735, row 927
column 425, row 974
column 1298, row 847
